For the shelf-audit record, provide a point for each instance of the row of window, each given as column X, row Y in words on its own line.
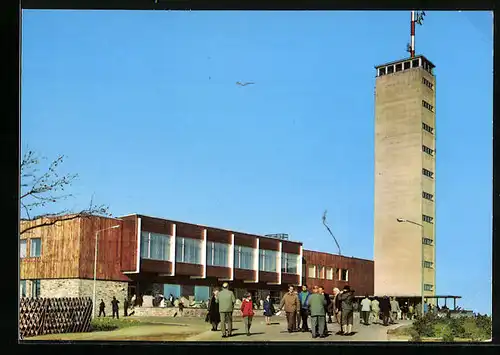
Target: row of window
column 428, row 264
column 427, row 150
column 428, row 173
column 428, row 287
column 427, row 83
column 329, row 273
column 399, row 67
column 35, row 288
column 35, row 247
column 427, row 241
column 157, row 247
column 427, row 128
column 427, row 219
column 427, row 196
column 427, row 106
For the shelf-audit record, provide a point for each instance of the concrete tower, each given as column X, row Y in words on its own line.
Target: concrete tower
column 405, row 178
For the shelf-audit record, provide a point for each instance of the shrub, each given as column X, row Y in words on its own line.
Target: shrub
column 108, row 324
column 424, row 326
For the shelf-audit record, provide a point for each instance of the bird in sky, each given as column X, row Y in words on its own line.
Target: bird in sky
column 244, row 84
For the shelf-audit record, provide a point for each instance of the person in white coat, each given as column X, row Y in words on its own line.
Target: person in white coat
column 365, row 310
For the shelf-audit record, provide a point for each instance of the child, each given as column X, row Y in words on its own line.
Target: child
column 268, row 309
column 247, row 312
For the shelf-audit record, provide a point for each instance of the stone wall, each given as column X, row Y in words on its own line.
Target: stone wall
column 105, row 290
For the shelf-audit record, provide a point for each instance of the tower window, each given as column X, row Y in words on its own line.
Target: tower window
column 428, row 287
column 399, row 67
column 427, row 83
column 427, row 241
column 427, row 196
column 428, row 264
column 427, row 219
column 427, row 105
column 381, row 71
column 427, row 150
column 415, row 63
column 428, row 173
column 427, row 128
column 407, row 65
column 390, row 69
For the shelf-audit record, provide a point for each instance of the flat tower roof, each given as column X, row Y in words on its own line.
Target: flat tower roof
column 406, row 59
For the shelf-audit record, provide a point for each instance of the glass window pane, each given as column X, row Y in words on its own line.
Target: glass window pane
column 23, row 288
column 179, row 256
column 35, row 247
column 35, row 288
column 220, row 254
column 23, row 248
column 145, row 245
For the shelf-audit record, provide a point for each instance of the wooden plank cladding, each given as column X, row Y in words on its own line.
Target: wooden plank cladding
column 242, row 274
column 218, row 235
column 219, row 272
column 289, row 279
column 156, row 225
column 245, row 240
column 188, row 269
column 292, row 248
column 128, row 259
column 189, row 231
column 265, row 276
column 269, row 244
column 156, row 266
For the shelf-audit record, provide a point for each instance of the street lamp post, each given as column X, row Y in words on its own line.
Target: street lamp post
column 95, row 265
column 401, row 220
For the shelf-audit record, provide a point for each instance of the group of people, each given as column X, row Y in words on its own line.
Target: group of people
column 302, row 306
column 128, row 304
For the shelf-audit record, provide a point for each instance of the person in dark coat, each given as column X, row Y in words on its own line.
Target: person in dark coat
column 347, row 305
column 125, row 307
column 213, row 316
column 114, row 307
column 269, row 310
column 101, row 309
column 385, row 309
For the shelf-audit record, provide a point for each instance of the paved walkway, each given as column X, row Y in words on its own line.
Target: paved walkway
column 277, row 331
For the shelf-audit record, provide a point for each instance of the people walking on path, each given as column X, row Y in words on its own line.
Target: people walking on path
column 327, row 300
column 102, row 306
column 404, row 311
column 268, row 309
column 317, row 304
column 247, row 312
column 304, row 307
column 291, row 303
column 385, row 309
column 213, row 315
column 394, row 310
column 226, row 300
column 375, row 307
column 366, row 310
column 347, row 299
column 114, row 307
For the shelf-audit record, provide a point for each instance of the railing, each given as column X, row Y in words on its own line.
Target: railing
column 39, row 316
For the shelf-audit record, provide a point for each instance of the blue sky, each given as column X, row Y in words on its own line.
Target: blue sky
column 145, row 106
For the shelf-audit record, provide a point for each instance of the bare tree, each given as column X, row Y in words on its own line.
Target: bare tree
column 39, row 190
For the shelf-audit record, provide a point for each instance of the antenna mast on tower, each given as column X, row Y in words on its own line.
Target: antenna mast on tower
column 418, row 18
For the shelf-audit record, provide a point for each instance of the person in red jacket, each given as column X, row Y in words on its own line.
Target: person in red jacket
column 247, row 312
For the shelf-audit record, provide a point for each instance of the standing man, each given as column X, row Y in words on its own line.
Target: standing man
column 317, row 304
column 365, row 310
column 114, row 307
column 385, row 309
column 394, row 310
column 101, row 309
column 375, row 310
column 292, row 304
column 327, row 300
column 347, row 299
column 226, row 300
column 337, row 307
column 304, row 307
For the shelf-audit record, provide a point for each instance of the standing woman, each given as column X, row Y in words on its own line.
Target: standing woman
column 247, row 312
column 213, row 311
column 268, row 309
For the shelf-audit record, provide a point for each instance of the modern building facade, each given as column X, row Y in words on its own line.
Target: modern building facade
column 405, row 150
column 149, row 256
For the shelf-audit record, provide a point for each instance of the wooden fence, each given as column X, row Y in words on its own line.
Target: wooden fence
column 40, row 316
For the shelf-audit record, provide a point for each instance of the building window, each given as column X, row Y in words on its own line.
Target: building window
column 427, row 241
column 35, row 247
column 427, row 196
column 428, row 287
column 428, row 173
column 427, row 128
column 427, row 83
column 22, row 286
column 267, row 260
column 390, row 69
column 344, row 275
column 427, row 219
column 406, row 65
column 289, row 263
column 243, row 257
column 188, row 250
column 23, row 248
column 217, row 254
column 427, row 150
column 381, row 71
column 311, row 271
column 415, row 63
column 428, row 264
column 321, row 272
column 35, row 288
column 399, row 67
column 427, row 106
column 155, row 246
column 329, row 273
